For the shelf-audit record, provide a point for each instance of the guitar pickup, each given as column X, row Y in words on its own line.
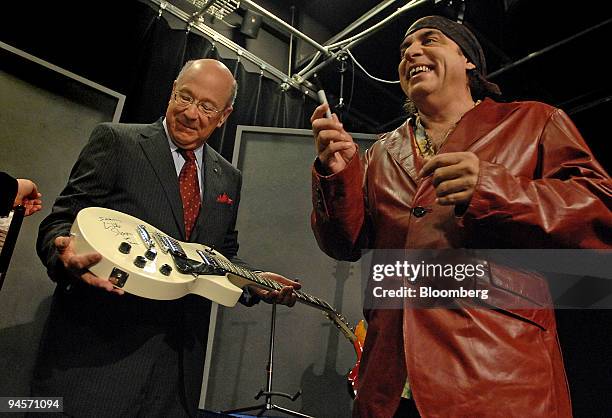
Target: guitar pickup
column 151, row 253
column 169, row 245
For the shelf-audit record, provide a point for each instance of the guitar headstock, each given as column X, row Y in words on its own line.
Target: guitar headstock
column 341, row 323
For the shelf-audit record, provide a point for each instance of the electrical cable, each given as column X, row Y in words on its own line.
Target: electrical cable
column 376, row 26
column 367, row 73
column 348, row 105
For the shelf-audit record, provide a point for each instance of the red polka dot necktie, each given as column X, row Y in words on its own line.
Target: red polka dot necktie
column 190, row 190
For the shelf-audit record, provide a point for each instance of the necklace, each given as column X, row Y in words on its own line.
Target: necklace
column 426, row 145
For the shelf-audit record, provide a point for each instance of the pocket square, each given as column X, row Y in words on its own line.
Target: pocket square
column 224, row 198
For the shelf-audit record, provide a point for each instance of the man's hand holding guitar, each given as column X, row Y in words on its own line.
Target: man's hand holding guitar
column 78, row 265
column 285, row 296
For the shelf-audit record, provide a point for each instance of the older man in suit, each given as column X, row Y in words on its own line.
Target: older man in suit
column 114, row 354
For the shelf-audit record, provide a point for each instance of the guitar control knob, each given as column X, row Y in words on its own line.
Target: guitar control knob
column 150, row 254
column 165, row 269
column 125, row 247
column 140, row 261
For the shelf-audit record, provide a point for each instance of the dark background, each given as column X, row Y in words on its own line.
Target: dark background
column 116, row 42
column 570, row 73
column 121, row 45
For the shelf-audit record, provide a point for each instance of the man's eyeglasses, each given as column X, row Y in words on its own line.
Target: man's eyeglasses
column 184, row 100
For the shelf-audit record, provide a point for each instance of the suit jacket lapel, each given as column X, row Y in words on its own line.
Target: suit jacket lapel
column 211, row 187
column 157, row 151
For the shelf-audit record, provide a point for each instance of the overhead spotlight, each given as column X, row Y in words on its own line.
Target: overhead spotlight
column 250, row 24
column 216, row 8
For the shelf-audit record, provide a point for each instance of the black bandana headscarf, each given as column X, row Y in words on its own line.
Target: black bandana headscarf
column 468, row 43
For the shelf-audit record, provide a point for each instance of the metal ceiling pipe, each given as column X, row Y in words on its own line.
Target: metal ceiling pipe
column 366, row 33
column 370, row 14
column 216, row 37
column 367, row 16
column 546, row 49
column 360, row 37
column 285, row 25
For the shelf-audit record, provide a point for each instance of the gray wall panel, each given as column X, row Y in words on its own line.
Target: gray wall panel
column 275, row 235
column 45, row 119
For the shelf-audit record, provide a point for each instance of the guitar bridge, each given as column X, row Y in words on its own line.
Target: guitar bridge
column 188, row 266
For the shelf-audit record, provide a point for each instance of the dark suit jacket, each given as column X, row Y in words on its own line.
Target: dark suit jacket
column 93, row 338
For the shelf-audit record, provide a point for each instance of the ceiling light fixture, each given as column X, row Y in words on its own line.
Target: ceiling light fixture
column 216, row 8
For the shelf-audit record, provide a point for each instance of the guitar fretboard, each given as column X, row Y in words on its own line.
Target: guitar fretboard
column 228, row 267
column 222, row 266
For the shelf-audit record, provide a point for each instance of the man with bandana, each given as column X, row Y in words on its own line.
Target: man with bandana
column 463, row 171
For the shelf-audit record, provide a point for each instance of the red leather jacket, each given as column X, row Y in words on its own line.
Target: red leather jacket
column 539, row 187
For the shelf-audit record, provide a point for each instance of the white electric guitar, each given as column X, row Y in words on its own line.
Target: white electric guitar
column 144, row 261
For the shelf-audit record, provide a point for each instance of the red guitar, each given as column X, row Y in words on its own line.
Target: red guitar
column 357, row 338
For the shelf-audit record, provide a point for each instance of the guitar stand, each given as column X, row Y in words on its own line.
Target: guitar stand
column 268, row 393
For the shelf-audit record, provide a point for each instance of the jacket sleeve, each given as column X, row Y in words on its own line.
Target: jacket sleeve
column 339, row 216
column 567, row 202
column 91, row 182
column 8, row 187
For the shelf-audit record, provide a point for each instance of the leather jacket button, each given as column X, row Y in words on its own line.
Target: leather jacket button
column 419, row 211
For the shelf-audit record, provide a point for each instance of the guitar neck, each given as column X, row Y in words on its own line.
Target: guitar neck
column 302, row 297
column 260, row 281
